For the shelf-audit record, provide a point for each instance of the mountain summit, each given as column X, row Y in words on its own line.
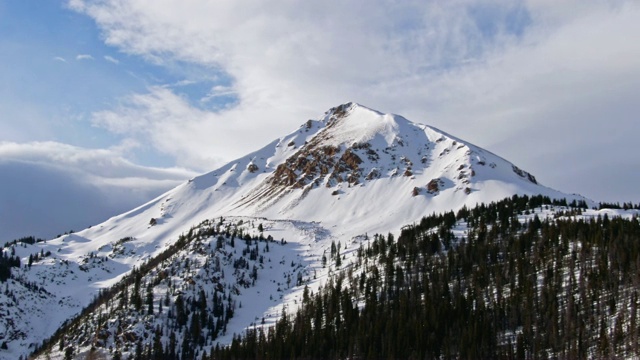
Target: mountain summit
column 354, row 168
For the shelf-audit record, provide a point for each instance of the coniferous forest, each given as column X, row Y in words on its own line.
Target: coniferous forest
column 563, row 287
column 523, row 278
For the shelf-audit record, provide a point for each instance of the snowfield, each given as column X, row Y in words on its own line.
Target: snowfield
column 338, row 179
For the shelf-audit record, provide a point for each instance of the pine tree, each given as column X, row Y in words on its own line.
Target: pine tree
column 149, row 300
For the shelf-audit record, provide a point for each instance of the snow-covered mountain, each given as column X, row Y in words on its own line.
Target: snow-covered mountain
column 336, row 179
column 353, row 170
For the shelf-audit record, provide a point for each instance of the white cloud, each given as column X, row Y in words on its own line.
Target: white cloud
column 288, row 63
column 60, row 59
column 99, row 164
column 48, row 187
column 218, row 91
column 81, row 57
column 193, row 136
column 530, row 80
column 111, row 59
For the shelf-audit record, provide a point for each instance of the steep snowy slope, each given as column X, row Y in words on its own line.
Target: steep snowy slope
column 352, row 172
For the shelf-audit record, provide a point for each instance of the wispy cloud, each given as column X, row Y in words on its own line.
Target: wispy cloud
column 61, row 59
column 74, row 187
column 491, row 72
column 218, row 91
column 81, row 57
column 111, row 59
column 167, row 122
column 185, row 82
column 95, row 163
column 284, row 71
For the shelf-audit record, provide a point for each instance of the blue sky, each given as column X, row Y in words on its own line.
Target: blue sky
column 42, row 74
column 127, row 98
column 57, row 70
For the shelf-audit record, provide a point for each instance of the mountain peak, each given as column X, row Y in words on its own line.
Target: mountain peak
column 350, row 162
column 354, row 123
column 342, row 109
column 357, row 153
column 351, row 110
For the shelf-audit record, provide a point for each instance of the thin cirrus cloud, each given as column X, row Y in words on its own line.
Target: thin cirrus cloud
column 548, row 85
column 111, row 59
column 81, row 57
column 102, row 164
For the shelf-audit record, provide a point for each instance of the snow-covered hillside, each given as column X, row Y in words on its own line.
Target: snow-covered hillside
column 352, row 172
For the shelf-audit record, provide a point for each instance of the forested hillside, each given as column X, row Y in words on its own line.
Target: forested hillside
column 178, row 304
column 521, row 278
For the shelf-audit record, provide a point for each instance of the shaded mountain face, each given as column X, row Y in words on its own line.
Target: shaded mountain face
column 318, row 191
